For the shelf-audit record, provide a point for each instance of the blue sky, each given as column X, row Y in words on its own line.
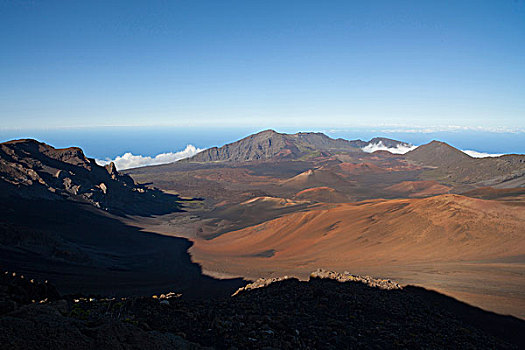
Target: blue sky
column 307, row 64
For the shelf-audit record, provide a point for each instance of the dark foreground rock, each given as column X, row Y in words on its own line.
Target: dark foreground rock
column 288, row 314
column 16, row 289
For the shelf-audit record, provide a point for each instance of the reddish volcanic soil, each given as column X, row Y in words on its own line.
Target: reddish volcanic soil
column 440, row 242
column 315, row 178
column 508, row 194
column 360, row 168
column 418, row 188
column 234, row 175
column 321, row 194
column 433, row 229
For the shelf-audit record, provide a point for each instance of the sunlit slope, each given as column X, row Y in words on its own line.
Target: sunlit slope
column 442, row 228
column 322, row 194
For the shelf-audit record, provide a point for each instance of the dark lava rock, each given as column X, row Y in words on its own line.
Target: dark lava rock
column 15, row 290
column 39, row 326
column 31, row 169
column 322, row 313
column 32, row 316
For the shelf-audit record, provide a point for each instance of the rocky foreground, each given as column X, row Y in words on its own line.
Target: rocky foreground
column 330, row 311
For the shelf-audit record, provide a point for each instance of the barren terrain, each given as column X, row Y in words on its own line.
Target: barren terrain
column 267, row 206
column 425, row 218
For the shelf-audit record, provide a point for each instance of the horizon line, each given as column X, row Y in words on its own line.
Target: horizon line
column 386, row 128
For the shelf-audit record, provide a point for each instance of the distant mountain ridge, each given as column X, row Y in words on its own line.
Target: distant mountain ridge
column 453, row 165
column 270, row 144
column 437, row 153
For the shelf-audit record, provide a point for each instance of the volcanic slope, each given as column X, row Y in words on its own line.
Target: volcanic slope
column 466, row 247
column 34, row 170
column 417, row 188
column 322, row 194
column 315, row 178
column 270, row 144
column 254, row 211
column 57, row 221
column 449, row 165
column 280, row 165
column 445, row 227
column 510, row 194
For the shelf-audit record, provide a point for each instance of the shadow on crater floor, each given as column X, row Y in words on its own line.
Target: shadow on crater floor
column 83, row 250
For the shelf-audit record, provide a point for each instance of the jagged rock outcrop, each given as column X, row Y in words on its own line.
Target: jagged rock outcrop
column 325, row 274
column 31, row 169
column 348, row 277
column 260, row 283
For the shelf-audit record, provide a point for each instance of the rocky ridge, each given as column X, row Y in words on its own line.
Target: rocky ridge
column 270, row 144
column 35, row 170
column 346, row 276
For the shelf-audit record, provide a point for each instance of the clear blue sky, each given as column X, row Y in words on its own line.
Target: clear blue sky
column 262, row 63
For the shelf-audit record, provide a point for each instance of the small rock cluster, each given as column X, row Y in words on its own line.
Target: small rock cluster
column 17, row 290
column 259, row 283
column 324, row 274
column 347, row 277
column 164, row 299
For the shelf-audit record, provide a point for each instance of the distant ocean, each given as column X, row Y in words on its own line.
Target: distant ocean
column 109, row 142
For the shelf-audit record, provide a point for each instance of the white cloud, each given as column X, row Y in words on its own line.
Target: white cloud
column 129, row 160
column 476, row 154
column 399, row 149
column 405, row 147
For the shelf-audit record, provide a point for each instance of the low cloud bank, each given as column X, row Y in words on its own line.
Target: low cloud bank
column 476, row 154
column 405, row 147
column 399, row 149
column 129, row 160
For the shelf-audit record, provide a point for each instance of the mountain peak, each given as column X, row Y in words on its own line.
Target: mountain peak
column 24, row 148
column 267, row 132
column 437, row 153
column 269, row 144
column 22, row 141
column 445, row 147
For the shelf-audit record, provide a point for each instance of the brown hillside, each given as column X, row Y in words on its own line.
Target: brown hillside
column 360, row 168
column 442, row 228
column 316, row 178
column 449, row 165
column 497, row 193
column 270, row 144
column 322, row 194
column 418, row 188
column 437, row 153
